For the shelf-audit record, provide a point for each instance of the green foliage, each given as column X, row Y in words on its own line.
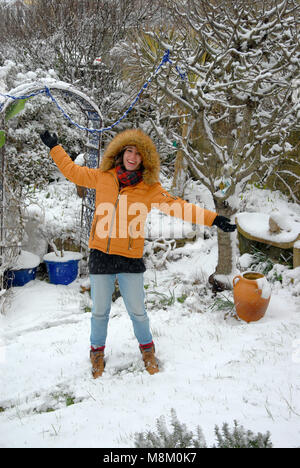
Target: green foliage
column 27, row 160
column 14, row 109
column 2, row 138
column 264, row 263
column 261, row 262
column 70, row 400
column 164, row 300
column 222, row 303
column 181, row 437
column 182, row 298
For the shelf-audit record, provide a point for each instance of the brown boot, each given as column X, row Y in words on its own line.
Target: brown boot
column 149, row 359
column 98, row 364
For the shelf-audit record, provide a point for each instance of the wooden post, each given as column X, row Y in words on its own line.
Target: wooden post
column 296, row 255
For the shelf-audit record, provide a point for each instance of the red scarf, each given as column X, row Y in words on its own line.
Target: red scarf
column 128, row 177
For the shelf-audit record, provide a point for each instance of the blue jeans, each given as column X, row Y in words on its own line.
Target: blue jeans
column 132, row 290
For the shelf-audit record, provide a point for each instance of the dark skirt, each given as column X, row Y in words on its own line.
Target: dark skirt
column 101, row 263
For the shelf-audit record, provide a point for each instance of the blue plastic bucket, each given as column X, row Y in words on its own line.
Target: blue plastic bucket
column 62, row 272
column 19, row 277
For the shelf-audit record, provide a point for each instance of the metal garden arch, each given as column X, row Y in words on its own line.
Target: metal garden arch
column 94, row 121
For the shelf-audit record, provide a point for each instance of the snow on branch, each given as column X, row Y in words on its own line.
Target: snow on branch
column 239, row 60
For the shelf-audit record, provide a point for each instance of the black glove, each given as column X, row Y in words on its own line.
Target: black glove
column 224, row 223
column 49, row 140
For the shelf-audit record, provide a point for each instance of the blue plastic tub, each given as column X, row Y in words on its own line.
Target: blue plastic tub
column 62, row 272
column 19, row 277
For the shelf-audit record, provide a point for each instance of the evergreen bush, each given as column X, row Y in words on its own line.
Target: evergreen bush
column 181, row 437
column 238, row 437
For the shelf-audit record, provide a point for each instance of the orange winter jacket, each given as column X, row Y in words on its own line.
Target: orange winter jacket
column 120, row 215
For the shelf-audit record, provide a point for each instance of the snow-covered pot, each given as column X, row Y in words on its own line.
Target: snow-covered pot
column 23, row 271
column 62, row 270
column 19, row 277
column 252, row 294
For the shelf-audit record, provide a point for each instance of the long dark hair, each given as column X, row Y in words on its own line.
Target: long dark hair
column 119, row 160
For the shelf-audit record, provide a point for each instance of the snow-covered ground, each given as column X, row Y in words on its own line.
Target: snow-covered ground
column 213, row 370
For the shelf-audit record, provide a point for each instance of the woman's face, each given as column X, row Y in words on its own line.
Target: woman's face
column 132, row 158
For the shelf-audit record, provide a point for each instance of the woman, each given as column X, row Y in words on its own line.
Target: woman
column 127, row 188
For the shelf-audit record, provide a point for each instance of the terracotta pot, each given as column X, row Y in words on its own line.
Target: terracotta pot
column 252, row 293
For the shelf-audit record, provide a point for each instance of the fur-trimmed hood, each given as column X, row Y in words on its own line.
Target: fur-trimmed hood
column 144, row 144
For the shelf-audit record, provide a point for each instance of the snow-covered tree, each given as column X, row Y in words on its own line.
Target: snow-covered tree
column 26, row 161
column 234, row 65
column 25, row 165
column 73, row 37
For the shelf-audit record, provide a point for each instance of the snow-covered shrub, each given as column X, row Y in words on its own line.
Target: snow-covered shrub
column 263, row 261
column 59, row 210
column 181, row 437
column 291, row 281
column 26, row 156
column 238, row 437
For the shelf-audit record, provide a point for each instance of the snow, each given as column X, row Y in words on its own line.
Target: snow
column 257, row 225
column 67, row 256
column 80, row 160
column 50, row 83
column 55, row 211
column 283, row 222
column 26, row 260
column 245, row 260
column 265, row 288
column 213, row 370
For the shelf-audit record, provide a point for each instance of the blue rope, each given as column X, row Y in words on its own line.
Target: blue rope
column 46, row 90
